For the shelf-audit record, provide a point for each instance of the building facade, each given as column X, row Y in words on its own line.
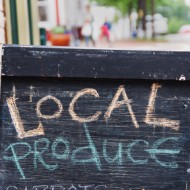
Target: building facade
column 67, row 13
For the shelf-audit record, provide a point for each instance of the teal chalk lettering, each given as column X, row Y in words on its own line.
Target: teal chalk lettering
column 95, row 156
column 156, row 151
column 131, row 146
column 38, row 152
column 118, row 158
column 58, row 141
column 15, row 158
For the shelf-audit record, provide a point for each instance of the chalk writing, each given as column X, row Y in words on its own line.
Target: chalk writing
column 95, row 156
column 43, row 187
column 119, row 156
column 155, row 150
column 90, row 141
column 116, row 104
column 150, row 117
column 130, row 147
column 61, row 140
column 57, row 114
column 58, row 187
column 74, row 116
column 14, row 112
column 11, row 188
column 39, row 153
column 31, row 94
column 15, row 158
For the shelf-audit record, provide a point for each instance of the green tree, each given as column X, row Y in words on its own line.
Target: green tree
column 175, row 10
column 125, row 6
column 177, row 13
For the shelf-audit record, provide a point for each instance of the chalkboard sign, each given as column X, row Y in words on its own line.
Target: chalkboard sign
column 84, row 119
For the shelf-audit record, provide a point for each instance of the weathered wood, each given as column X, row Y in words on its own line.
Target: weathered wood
column 89, row 63
column 94, row 119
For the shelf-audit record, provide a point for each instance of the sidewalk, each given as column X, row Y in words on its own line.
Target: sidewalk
column 145, row 45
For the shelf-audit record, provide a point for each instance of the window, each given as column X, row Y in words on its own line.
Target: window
column 43, row 10
column 42, row 13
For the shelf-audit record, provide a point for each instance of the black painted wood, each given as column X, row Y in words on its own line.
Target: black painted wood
column 144, row 143
column 92, row 63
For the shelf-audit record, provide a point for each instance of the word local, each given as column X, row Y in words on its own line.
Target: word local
column 150, row 118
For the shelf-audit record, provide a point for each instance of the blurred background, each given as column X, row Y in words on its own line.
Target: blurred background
column 125, row 24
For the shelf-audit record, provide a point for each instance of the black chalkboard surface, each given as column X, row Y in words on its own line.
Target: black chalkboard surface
column 83, row 119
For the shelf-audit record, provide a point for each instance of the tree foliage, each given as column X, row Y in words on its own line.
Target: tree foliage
column 123, row 5
column 175, row 10
column 177, row 13
column 167, row 8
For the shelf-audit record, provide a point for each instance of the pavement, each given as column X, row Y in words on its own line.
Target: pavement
column 146, row 45
column 170, row 42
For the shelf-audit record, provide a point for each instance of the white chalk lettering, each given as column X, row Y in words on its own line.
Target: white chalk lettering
column 86, row 187
column 57, row 114
column 116, row 104
column 40, row 187
column 74, row 116
column 11, row 188
column 151, row 119
column 17, row 121
column 57, row 187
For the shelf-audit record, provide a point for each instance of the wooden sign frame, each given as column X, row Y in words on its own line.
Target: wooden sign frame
column 92, row 119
